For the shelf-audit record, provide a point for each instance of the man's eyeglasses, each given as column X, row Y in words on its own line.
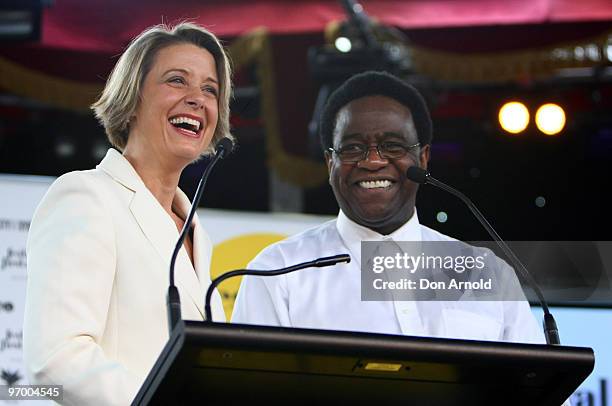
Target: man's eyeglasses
column 386, row 150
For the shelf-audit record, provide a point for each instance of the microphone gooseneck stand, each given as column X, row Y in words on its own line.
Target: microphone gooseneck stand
column 173, row 299
column 420, row 175
column 317, row 263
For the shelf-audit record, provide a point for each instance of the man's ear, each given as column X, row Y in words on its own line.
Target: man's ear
column 328, row 160
column 424, row 156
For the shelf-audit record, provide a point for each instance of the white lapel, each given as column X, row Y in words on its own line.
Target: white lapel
column 159, row 229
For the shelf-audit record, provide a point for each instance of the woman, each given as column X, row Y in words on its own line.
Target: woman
column 100, row 242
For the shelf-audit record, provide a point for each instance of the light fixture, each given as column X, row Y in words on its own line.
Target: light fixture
column 442, row 217
column 550, row 119
column 343, row 44
column 64, row 147
column 513, row 117
column 540, row 201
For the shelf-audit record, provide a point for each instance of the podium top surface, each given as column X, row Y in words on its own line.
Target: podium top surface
column 211, row 361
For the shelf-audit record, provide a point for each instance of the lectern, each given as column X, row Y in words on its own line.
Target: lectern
column 221, row 364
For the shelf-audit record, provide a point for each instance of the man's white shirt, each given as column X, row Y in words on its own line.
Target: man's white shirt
column 330, row 298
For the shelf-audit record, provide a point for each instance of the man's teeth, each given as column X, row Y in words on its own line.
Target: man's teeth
column 372, row 184
column 186, row 120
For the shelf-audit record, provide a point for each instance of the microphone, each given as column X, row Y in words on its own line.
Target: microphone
column 361, row 20
column 317, row 263
column 420, row 175
column 223, row 148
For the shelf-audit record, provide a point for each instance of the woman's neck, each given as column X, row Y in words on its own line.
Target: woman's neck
column 162, row 182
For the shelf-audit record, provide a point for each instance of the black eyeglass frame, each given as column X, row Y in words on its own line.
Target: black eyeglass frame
column 365, row 152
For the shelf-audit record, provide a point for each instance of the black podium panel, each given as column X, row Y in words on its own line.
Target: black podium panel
column 215, row 363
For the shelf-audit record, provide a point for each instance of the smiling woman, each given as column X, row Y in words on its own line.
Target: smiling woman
column 177, row 115
column 100, row 242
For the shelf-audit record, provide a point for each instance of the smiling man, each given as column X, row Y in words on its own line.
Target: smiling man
column 373, row 128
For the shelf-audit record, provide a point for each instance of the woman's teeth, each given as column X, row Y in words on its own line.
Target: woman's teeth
column 193, row 125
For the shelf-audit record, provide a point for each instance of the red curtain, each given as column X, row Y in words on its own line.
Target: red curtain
column 107, row 25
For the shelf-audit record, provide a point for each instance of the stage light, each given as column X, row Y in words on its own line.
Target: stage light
column 65, row 148
column 513, row 117
column 550, row 119
column 343, row 44
column 442, row 217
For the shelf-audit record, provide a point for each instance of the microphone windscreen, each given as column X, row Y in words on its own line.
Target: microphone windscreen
column 416, row 174
column 225, row 147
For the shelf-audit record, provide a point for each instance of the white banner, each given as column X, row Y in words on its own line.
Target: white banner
column 19, row 197
column 588, row 327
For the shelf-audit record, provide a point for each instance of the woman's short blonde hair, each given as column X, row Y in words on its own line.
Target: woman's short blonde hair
column 121, row 95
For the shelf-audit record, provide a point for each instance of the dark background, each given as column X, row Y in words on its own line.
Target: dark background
column 502, row 173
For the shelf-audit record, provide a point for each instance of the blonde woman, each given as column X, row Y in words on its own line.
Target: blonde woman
column 101, row 240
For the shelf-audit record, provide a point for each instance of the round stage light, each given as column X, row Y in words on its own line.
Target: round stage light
column 343, row 44
column 442, row 217
column 550, row 119
column 513, row 117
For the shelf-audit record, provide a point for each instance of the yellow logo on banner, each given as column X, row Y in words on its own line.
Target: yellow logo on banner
column 236, row 253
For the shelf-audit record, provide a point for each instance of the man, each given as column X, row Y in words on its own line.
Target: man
column 373, row 128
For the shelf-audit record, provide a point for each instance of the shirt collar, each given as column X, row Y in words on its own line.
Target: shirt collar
column 352, row 233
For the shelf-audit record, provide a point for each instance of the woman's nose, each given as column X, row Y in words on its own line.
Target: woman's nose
column 195, row 99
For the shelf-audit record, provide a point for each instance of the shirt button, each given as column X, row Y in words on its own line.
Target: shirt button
column 405, row 311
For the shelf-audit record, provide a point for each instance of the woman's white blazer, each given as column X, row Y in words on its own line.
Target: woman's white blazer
column 98, row 253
